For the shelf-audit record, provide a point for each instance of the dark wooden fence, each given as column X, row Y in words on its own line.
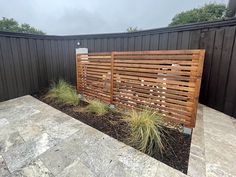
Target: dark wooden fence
column 30, row 62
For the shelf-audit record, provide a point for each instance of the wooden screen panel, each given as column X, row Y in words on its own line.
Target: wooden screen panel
column 168, row 81
column 94, row 75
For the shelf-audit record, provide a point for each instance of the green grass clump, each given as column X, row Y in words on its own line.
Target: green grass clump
column 97, row 107
column 63, row 92
column 145, row 131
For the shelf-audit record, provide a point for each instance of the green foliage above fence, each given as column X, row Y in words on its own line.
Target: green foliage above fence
column 209, row 12
column 11, row 25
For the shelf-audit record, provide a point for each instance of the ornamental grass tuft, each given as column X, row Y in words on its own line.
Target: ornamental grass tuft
column 145, row 131
column 97, row 107
column 63, row 92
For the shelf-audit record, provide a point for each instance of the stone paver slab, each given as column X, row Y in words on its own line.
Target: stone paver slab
column 34, row 169
column 78, row 169
column 3, row 168
column 8, row 141
column 213, row 146
column 21, row 155
column 64, row 153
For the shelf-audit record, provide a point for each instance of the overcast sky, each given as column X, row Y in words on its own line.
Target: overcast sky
column 62, row 17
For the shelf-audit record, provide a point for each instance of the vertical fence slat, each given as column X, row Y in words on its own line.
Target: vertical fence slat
column 172, row 41
column 230, row 97
column 8, row 65
column 43, row 80
column 78, row 75
column 212, row 94
column 207, row 43
column 163, row 41
column 112, row 78
column 17, row 66
column 223, row 71
column 154, row 42
column 3, row 78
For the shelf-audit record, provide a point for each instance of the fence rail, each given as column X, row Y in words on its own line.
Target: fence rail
column 168, row 81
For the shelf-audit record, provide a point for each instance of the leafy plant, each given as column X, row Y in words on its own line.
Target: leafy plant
column 63, row 92
column 209, row 12
column 97, row 107
column 145, row 130
column 133, row 29
column 11, row 25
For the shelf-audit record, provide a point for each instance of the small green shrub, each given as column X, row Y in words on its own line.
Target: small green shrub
column 97, row 107
column 145, row 131
column 63, row 92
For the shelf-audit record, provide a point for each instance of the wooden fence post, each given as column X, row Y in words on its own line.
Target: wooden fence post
column 112, row 78
column 201, row 57
column 79, row 71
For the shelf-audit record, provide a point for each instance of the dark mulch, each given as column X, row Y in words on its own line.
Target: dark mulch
column 177, row 149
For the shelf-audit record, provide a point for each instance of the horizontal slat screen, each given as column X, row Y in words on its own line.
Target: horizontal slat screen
column 94, row 75
column 168, row 81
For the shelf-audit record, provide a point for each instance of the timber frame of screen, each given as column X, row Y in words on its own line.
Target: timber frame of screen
column 167, row 80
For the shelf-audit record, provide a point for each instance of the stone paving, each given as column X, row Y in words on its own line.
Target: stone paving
column 37, row 140
column 213, row 146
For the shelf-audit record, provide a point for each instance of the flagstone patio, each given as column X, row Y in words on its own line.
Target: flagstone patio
column 37, row 140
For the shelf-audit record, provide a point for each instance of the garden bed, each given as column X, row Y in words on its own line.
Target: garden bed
column 177, row 144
